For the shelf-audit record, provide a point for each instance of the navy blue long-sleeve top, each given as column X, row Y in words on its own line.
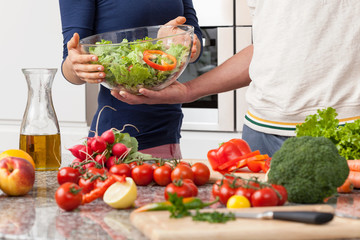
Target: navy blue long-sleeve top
column 157, row 124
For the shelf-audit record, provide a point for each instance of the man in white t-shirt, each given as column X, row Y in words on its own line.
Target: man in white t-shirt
column 305, row 56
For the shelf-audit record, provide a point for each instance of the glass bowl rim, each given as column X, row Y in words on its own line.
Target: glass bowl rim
column 191, row 30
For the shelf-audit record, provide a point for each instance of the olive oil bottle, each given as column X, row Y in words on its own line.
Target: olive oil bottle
column 40, row 132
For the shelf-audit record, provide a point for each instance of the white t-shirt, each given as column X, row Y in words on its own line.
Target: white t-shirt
column 306, row 57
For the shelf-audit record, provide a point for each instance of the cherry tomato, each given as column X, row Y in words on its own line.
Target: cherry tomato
column 142, row 174
column 184, row 163
column 86, row 185
column 225, row 192
column 155, row 166
column 182, row 171
column 283, row 194
column 246, row 192
column 201, row 173
column 133, row 164
column 193, row 187
column 162, row 175
column 216, row 187
column 95, row 170
column 68, row 174
column 264, row 197
column 181, row 190
column 68, row 196
column 121, row 169
column 238, row 201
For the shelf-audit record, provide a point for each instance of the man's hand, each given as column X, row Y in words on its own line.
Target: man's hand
column 173, row 94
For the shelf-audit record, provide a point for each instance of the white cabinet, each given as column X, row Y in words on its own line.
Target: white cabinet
column 31, row 38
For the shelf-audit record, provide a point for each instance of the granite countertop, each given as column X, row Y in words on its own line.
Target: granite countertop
column 37, row 216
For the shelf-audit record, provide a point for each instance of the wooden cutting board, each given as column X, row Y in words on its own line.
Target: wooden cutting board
column 216, row 175
column 158, row 226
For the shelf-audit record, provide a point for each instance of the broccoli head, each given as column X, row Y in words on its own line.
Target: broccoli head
column 310, row 168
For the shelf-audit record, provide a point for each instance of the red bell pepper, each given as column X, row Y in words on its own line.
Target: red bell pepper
column 257, row 163
column 239, row 162
column 149, row 55
column 228, row 151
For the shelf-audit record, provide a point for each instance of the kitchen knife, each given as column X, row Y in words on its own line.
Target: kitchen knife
column 296, row 216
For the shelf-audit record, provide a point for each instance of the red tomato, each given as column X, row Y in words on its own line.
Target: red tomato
column 133, row 164
column 182, row 171
column 162, row 175
column 68, row 196
column 121, row 169
column 184, row 163
column 264, row 197
column 68, row 174
column 86, row 185
column 142, row 174
column 155, row 166
column 201, row 173
column 193, row 187
column 225, row 192
column 246, row 192
column 216, row 188
column 95, row 170
column 181, row 190
column 283, row 194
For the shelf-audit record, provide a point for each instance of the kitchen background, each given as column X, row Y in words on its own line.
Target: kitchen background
column 31, row 38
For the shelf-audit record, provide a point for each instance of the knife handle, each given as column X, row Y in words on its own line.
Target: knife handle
column 304, row 216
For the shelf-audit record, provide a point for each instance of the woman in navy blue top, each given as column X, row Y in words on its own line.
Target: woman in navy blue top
column 158, row 125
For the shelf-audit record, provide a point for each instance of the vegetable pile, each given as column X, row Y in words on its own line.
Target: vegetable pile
column 112, row 157
column 236, row 154
column 141, row 63
column 310, row 168
column 345, row 137
column 254, row 192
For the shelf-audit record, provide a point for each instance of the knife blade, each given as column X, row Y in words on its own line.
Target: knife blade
column 311, row 217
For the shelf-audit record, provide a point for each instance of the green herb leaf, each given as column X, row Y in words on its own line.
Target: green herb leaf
column 178, row 209
column 213, row 217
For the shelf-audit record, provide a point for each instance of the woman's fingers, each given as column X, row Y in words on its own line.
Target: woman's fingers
column 177, row 21
column 74, row 41
column 81, row 63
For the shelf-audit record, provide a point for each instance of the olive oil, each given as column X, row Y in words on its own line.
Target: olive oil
column 44, row 149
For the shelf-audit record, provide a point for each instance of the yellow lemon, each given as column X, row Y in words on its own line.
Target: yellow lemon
column 121, row 194
column 17, row 153
column 237, row 201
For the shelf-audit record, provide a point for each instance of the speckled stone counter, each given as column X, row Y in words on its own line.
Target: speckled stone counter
column 36, row 215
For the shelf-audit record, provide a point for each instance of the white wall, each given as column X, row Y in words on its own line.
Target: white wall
column 31, row 37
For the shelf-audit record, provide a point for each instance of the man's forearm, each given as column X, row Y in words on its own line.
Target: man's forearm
column 232, row 74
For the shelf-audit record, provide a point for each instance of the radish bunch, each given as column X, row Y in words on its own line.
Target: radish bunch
column 111, row 148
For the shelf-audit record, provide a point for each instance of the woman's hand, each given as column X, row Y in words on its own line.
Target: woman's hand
column 77, row 67
column 196, row 47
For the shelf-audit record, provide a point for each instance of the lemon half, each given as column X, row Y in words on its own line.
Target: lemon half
column 121, row 194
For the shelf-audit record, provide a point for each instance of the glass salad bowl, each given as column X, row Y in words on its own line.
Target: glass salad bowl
column 151, row 57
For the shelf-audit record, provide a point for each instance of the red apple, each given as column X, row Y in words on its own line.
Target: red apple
column 17, row 176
